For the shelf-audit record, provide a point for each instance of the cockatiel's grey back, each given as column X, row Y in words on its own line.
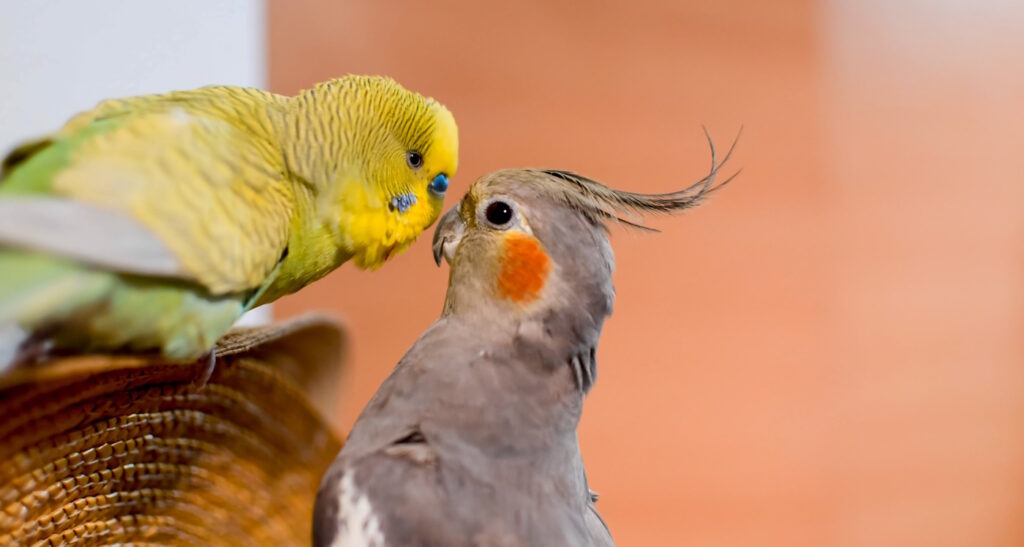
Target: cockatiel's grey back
column 472, row 438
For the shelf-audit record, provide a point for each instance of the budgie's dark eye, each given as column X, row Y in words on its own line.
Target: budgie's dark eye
column 499, row 213
column 414, row 159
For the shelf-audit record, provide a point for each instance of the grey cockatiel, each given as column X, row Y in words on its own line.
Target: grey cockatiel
column 472, row 439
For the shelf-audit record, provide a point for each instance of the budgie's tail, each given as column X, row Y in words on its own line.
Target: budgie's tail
column 36, row 290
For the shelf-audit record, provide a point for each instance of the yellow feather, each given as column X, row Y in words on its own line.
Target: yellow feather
column 255, row 194
column 364, row 127
column 227, row 177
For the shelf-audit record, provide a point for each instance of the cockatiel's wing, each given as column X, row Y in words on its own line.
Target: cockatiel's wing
column 344, row 514
column 406, row 494
column 412, row 499
column 164, row 190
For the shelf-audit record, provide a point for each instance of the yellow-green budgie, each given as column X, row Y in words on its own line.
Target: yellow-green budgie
column 154, row 222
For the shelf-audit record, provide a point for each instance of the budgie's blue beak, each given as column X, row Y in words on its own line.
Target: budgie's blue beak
column 439, row 185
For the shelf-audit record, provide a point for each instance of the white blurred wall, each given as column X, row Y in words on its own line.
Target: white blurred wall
column 58, row 57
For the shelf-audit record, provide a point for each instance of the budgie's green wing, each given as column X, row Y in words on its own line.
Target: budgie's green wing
column 164, row 192
column 21, row 153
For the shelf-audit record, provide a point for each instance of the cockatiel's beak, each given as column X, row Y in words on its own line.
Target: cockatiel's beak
column 447, row 235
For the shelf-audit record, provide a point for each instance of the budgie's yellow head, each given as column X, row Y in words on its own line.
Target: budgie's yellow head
column 397, row 153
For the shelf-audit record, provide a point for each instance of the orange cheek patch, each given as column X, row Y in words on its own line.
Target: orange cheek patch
column 524, row 268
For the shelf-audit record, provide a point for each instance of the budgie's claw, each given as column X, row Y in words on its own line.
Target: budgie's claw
column 18, row 347
column 210, row 365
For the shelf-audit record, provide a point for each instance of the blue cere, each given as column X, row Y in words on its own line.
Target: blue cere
column 439, row 185
column 403, row 202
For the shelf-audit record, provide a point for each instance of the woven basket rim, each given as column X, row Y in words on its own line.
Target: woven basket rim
column 236, row 341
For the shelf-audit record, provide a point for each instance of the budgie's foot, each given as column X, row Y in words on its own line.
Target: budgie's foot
column 211, row 363
column 35, row 350
column 11, row 339
column 18, row 348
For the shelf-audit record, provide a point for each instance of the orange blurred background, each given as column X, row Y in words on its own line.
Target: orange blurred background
column 825, row 354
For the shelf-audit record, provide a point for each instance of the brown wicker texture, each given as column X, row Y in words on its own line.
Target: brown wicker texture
column 97, row 449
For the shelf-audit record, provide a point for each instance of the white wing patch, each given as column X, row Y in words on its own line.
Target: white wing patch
column 358, row 526
column 86, row 233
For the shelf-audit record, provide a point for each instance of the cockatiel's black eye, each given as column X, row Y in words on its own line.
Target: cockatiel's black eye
column 499, row 213
column 414, row 159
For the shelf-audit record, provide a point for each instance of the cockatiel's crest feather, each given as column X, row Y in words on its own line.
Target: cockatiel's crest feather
column 601, row 203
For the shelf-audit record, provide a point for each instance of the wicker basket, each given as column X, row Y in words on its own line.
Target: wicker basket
column 99, row 449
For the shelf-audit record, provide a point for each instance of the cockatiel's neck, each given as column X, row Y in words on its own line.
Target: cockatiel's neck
column 540, row 296
column 482, row 386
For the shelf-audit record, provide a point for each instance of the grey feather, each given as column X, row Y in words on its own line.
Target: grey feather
column 86, row 233
column 600, row 202
column 493, row 459
column 472, row 439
